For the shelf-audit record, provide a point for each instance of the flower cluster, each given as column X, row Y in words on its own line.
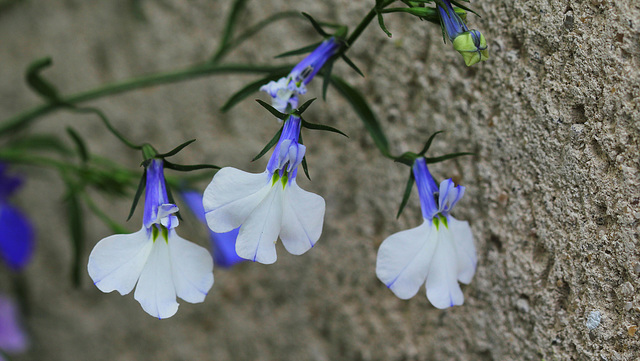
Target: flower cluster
column 439, row 252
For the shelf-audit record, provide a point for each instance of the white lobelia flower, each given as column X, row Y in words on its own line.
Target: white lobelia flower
column 439, row 252
column 163, row 264
column 267, row 205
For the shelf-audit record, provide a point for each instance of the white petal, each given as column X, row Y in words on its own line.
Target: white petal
column 302, row 218
column 231, row 196
column 465, row 249
column 156, row 291
column 192, row 269
column 443, row 289
column 115, row 263
column 259, row 233
column 404, row 258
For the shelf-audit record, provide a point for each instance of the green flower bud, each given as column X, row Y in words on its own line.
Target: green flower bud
column 472, row 46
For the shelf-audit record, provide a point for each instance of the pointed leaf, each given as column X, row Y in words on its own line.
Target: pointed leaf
column 273, row 110
column 188, row 168
column 136, row 198
column 407, row 194
column 315, row 25
column 446, row 157
column 269, row 145
column 176, row 149
column 37, row 83
column 352, row 65
column 80, row 144
column 365, row 113
column 315, row 126
column 382, row 26
column 326, row 73
column 427, row 145
column 303, row 50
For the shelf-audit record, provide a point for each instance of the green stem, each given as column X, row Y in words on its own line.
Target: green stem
column 365, row 22
column 23, row 119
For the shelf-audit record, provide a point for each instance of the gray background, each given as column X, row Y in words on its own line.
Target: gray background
column 552, row 193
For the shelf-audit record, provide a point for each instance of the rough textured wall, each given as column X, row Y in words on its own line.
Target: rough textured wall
column 552, row 196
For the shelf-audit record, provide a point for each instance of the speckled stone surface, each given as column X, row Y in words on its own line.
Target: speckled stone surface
column 553, row 192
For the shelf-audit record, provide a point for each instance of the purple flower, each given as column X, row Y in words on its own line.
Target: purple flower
column 223, row 244
column 13, row 339
column 17, row 236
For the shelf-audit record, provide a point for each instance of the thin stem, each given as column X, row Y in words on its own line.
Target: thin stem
column 23, row 119
column 365, row 22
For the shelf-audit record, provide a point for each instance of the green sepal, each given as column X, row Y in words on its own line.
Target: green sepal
column 463, row 7
column 316, row 25
column 427, row 145
column 446, row 157
column 39, row 84
column 273, row 110
column 315, row 126
column 365, row 113
column 251, row 88
column 80, row 144
column 406, row 158
column 305, row 167
column 187, row 168
column 175, row 150
column 136, row 197
column 407, row 193
column 301, row 109
column 303, row 50
column 382, row 25
column 351, row 64
column 269, row 145
column 149, row 153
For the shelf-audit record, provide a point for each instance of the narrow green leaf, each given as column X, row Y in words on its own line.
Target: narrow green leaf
column 316, row 25
column 427, row 145
column 38, row 142
column 106, row 122
column 37, row 83
column 188, row 168
column 113, row 225
column 236, row 10
column 175, row 150
column 273, row 110
column 301, row 109
column 458, row 4
column 80, row 144
column 315, row 126
column 446, row 157
column 75, row 215
column 365, row 113
column 303, row 50
column 407, row 193
column 136, row 198
column 269, row 145
column 352, row 64
column 382, row 26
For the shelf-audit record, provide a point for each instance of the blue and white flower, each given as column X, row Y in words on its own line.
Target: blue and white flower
column 267, row 205
column 284, row 92
column 222, row 244
column 161, row 263
column 440, row 252
column 471, row 44
column 17, row 236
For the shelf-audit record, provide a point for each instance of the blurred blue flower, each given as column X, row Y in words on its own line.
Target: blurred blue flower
column 13, row 339
column 222, row 244
column 17, row 236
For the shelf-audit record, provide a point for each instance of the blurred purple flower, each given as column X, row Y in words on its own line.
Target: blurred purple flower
column 13, row 339
column 17, row 236
column 222, row 244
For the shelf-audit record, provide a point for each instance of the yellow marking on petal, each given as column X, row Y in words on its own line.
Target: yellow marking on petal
column 154, row 232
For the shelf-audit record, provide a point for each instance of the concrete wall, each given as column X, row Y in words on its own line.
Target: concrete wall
column 552, row 194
